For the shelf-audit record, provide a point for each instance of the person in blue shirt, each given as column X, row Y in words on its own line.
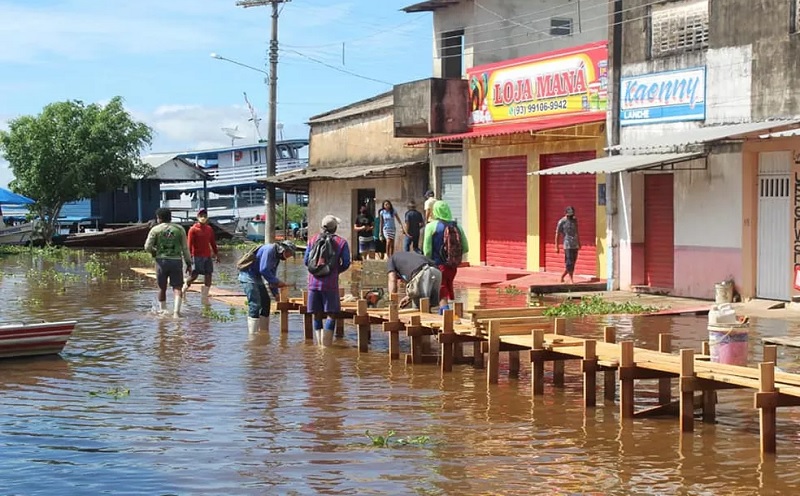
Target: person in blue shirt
column 264, row 268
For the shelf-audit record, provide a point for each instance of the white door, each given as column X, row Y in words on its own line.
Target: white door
column 450, row 186
column 774, row 278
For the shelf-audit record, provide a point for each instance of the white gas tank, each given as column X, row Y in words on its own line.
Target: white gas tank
column 721, row 314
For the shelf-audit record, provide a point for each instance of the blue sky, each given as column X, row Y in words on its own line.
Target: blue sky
column 155, row 54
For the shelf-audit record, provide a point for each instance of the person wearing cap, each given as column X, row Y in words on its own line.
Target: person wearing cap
column 568, row 228
column 263, row 268
column 430, row 199
column 413, row 227
column 202, row 246
column 167, row 243
column 323, row 291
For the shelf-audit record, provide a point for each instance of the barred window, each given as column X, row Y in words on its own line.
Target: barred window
column 796, row 8
column 678, row 27
column 560, row 26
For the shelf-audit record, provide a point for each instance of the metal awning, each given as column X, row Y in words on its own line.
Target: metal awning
column 519, row 127
column 299, row 180
column 619, row 163
column 709, row 134
column 429, row 6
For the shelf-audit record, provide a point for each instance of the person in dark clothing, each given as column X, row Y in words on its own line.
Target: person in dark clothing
column 568, row 228
column 413, row 227
column 365, row 230
column 420, row 274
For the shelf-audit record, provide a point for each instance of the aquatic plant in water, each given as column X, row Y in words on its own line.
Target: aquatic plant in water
column 94, row 267
column 212, row 314
column 596, row 305
column 113, row 393
column 386, row 441
column 136, row 256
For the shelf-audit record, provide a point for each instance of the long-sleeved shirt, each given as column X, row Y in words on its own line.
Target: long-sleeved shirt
column 434, row 233
column 265, row 266
column 168, row 241
column 331, row 281
column 202, row 242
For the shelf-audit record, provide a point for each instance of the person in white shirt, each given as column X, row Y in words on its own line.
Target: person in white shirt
column 428, row 206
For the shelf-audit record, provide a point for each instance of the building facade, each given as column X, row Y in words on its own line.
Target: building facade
column 706, row 154
column 536, row 74
column 354, row 161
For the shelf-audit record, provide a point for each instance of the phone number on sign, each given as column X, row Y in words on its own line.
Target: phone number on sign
column 532, row 108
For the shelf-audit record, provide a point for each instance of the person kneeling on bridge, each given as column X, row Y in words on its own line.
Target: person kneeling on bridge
column 420, row 274
column 255, row 267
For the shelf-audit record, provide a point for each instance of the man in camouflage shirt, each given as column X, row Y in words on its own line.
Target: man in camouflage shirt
column 167, row 243
column 568, row 228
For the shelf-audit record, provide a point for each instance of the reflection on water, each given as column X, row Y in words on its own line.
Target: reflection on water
column 212, row 411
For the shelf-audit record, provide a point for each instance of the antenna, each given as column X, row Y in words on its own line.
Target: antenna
column 233, row 133
column 253, row 117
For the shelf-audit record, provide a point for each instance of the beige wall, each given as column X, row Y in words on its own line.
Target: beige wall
column 338, row 197
column 360, row 140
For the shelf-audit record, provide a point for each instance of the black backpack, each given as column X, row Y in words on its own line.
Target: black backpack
column 322, row 255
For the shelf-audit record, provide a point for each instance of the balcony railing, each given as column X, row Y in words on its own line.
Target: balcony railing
column 235, row 176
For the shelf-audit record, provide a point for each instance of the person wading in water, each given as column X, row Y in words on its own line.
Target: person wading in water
column 167, row 243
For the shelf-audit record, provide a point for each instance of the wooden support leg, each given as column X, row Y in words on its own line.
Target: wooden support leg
column 537, row 363
column 284, row 321
column 664, row 384
column 687, row 390
column 770, row 354
column 766, row 401
column 626, row 365
column 560, row 326
column 339, row 328
column 477, row 352
column 447, row 339
column 493, row 365
column 362, row 323
column 308, row 318
column 414, row 333
column 589, row 369
column 610, row 376
column 393, row 327
column 424, row 305
column 513, row 364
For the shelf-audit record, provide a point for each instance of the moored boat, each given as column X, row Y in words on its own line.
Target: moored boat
column 20, row 234
column 44, row 338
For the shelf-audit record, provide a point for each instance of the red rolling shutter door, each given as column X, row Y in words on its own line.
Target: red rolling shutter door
column 558, row 192
column 504, row 195
column 659, row 234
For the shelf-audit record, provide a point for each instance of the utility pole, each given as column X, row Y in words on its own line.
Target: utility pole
column 269, row 224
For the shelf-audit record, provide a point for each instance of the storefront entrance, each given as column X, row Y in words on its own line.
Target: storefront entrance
column 556, row 194
column 504, row 211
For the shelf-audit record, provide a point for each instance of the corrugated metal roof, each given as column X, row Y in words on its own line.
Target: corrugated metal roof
column 708, row 134
column 618, row 163
column 300, row 178
column 429, row 5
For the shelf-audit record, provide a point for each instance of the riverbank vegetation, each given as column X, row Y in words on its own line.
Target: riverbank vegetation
column 597, row 305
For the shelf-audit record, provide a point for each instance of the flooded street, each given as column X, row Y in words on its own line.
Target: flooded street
column 142, row 404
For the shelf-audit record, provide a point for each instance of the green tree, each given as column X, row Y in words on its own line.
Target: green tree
column 72, row 151
column 296, row 214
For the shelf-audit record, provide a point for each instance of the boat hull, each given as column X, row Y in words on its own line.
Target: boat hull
column 25, row 340
column 16, row 235
column 132, row 236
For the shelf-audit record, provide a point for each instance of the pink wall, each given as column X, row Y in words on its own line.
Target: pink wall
column 699, row 268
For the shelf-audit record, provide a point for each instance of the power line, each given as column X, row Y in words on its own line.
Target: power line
column 345, row 71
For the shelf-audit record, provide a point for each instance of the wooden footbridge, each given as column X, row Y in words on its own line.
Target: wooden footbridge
column 514, row 331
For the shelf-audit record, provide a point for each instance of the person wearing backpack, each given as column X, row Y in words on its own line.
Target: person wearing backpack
column 256, row 266
column 167, row 243
column 327, row 255
column 445, row 243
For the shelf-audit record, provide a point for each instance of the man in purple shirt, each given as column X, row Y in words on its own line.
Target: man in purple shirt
column 323, row 292
column 264, row 268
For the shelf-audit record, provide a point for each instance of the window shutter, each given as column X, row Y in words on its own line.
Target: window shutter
column 679, row 27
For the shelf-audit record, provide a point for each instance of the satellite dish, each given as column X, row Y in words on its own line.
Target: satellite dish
column 233, row 133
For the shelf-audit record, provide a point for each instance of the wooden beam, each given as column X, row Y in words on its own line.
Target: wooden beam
column 767, row 414
column 339, row 328
column 424, row 305
column 362, row 322
column 493, row 357
column 447, row 347
column 687, row 394
column 537, row 363
column 283, row 296
column 665, row 384
column 415, row 338
column 589, row 369
column 393, row 327
column 610, row 376
column 626, row 397
column 560, row 329
column 513, row 364
column 770, row 352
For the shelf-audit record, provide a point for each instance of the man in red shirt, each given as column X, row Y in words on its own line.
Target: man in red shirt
column 202, row 245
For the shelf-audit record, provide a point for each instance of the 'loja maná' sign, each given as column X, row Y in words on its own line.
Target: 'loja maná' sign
column 566, row 82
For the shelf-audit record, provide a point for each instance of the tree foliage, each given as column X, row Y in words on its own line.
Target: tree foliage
column 72, row 151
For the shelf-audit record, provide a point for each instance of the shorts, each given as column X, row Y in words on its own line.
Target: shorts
column 448, row 276
column 425, row 284
column 366, row 246
column 570, row 257
column 324, row 301
column 202, row 266
column 169, row 269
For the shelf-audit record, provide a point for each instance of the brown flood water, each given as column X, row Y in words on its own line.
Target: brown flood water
column 213, row 412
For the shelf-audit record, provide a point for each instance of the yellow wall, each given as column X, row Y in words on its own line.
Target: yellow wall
column 591, row 137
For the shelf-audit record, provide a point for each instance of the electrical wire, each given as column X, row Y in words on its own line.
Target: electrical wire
column 335, row 68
